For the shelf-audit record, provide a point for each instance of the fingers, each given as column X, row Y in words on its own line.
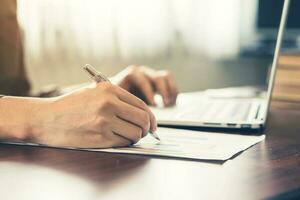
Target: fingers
column 127, row 130
column 143, row 83
column 117, row 140
column 172, row 88
column 116, row 133
column 166, row 87
column 148, row 82
column 136, row 102
column 162, row 88
column 134, row 116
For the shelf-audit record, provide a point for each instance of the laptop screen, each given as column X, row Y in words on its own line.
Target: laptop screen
column 225, row 44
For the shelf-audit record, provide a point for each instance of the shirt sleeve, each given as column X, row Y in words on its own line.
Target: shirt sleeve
column 13, row 77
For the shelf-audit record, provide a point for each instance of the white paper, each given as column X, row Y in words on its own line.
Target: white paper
column 179, row 143
column 190, row 144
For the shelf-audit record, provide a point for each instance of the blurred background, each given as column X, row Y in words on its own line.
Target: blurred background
column 205, row 44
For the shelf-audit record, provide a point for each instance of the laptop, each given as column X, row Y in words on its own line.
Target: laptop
column 234, row 108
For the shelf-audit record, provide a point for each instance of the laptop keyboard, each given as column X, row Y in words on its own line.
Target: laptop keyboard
column 212, row 110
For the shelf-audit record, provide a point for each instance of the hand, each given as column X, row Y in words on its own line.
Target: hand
column 144, row 82
column 99, row 116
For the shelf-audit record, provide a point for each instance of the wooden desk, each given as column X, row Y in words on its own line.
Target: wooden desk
column 265, row 170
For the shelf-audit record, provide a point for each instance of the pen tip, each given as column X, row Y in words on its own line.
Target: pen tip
column 155, row 136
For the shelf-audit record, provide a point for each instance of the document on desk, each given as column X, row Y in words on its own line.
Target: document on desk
column 198, row 145
column 179, row 143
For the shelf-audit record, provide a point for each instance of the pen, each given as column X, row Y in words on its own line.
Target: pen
column 99, row 77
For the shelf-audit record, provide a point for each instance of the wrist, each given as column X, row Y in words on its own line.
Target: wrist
column 19, row 117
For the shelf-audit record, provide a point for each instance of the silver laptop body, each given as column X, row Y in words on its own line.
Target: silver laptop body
column 200, row 109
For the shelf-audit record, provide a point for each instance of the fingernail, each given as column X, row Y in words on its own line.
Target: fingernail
column 167, row 100
column 154, row 127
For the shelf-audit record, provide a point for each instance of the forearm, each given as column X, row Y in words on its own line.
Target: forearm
column 17, row 117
